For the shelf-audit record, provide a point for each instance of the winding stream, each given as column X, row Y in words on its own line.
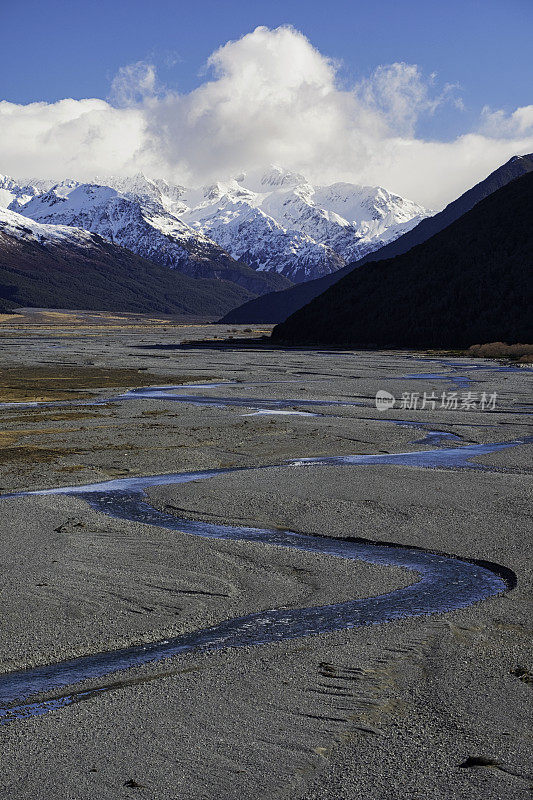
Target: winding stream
column 264, row 404
column 171, row 392
column 443, row 583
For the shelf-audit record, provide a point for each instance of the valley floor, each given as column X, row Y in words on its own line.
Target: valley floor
column 427, row 708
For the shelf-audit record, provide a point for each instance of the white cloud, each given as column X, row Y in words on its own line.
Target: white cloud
column 133, row 84
column 401, row 94
column 271, row 97
column 500, row 124
column 69, row 138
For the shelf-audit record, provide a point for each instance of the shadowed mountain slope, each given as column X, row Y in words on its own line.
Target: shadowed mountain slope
column 470, row 283
column 54, row 266
column 277, row 306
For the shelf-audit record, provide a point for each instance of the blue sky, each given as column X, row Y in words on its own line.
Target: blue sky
column 53, row 49
column 424, row 97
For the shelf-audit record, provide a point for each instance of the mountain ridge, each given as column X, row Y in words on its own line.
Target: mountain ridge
column 275, row 223
column 278, row 306
column 317, row 228
column 144, row 226
column 65, row 267
column 469, row 283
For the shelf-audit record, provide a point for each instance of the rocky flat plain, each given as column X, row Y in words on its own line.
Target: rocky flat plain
column 435, row 706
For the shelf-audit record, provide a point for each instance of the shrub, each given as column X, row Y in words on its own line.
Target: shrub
column 523, row 352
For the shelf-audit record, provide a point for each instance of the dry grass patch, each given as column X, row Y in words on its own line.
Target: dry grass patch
column 45, row 415
column 62, row 382
column 29, row 454
column 16, row 452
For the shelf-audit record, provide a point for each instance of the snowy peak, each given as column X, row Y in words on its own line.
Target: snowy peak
column 272, row 179
column 14, row 194
column 277, row 220
column 273, row 220
column 136, row 215
column 67, row 198
column 358, row 204
column 143, row 189
column 23, row 230
column 97, row 207
column 134, row 219
column 216, row 195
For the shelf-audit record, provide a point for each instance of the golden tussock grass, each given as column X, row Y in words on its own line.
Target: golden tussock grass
column 64, row 382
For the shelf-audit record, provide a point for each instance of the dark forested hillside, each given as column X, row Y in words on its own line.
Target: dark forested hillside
column 104, row 277
column 470, row 283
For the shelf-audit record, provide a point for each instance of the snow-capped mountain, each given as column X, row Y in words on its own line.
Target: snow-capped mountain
column 28, row 231
column 135, row 216
column 250, row 234
column 274, row 221
column 14, row 195
column 278, row 220
column 139, row 188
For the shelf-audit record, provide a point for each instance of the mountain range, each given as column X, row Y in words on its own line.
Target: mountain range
column 261, row 230
column 248, row 249
column 278, row 306
column 469, row 283
column 143, row 224
column 278, row 221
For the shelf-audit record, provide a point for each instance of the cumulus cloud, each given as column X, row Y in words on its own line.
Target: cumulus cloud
column 70, row 137
column 267, row 97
